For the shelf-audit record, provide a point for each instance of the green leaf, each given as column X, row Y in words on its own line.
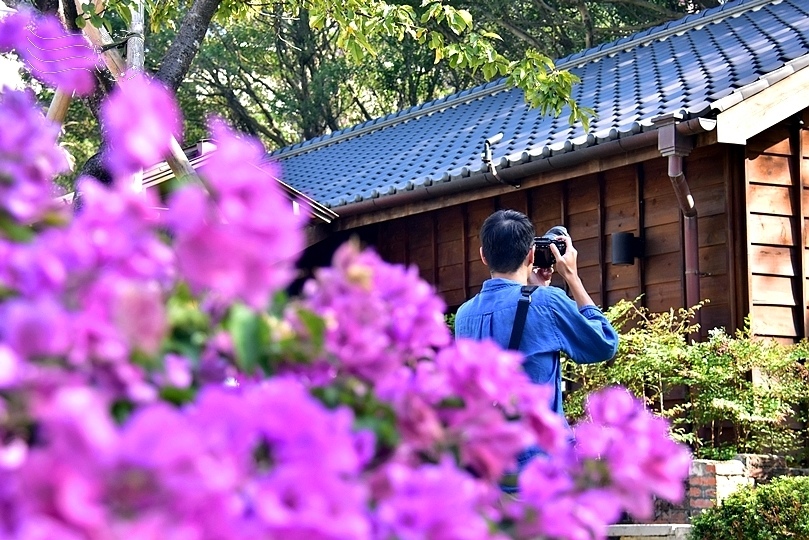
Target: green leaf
column 244, row 327
column 10, row 229
column 466, row 17
column 315, row 327
column 177, row 396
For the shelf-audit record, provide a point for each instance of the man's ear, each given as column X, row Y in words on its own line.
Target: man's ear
column 529, row 259
column 482, row 258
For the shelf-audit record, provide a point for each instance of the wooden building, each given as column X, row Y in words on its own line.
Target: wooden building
column 699, row 151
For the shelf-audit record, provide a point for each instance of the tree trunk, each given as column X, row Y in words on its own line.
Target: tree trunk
column 183, row 50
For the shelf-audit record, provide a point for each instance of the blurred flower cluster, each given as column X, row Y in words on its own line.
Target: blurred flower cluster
column 156, row 381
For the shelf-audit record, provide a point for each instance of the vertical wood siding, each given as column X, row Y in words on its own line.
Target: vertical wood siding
column 776, row 224
column 636, row 198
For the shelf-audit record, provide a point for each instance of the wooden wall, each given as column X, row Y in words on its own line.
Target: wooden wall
column 638, row 198
column 777, row 192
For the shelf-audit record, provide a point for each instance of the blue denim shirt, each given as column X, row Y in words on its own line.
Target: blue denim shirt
column 554, row 323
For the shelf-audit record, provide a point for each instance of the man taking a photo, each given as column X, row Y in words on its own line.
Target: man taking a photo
column 553, row 322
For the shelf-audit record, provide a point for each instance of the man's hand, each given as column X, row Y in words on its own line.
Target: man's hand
column 566, row 264
column 567, row 267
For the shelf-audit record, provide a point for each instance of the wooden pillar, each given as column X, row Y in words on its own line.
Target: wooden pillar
column 602, row 242
column 798, row 226
column 640, row 180
column 465, row 248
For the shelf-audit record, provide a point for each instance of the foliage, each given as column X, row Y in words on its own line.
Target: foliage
column 156, row 382
column 739, row 393
column 774, row 511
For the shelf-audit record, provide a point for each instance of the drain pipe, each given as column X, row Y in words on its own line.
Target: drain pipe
column 674, row 145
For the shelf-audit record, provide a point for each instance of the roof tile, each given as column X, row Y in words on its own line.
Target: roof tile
column 724, row 53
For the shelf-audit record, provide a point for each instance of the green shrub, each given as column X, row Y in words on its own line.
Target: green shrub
column 775, row 511
column 739, row 393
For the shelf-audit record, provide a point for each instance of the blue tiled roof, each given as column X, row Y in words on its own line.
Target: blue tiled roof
column 700, row 63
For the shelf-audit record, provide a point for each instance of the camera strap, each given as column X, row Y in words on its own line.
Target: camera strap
column 519, row 317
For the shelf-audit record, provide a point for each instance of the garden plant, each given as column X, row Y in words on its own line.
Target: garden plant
column 775, row 511
column 739, row 393
column 155, row 381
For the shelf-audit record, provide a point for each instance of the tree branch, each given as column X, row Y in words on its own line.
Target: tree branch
column 184, row 48
column 644, row 4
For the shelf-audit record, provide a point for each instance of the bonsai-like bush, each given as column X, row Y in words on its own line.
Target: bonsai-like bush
column 775, row 511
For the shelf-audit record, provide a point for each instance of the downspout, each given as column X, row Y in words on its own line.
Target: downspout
column 674, row 144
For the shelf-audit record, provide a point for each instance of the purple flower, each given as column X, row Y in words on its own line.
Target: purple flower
column 35, row 329
column 555, row 502
column 488, row 443
column 116, row 233
column 438, row 502
column 299, row 502
column 641, row 458
column 241, row 241
column 141, row 116
column 548, row 427
column 481, row 371
column 35, row 268
column 29, row 158
column 378, row 315
column 138, row 312
column 9, row 369
column 56, row 57
column 176, row 372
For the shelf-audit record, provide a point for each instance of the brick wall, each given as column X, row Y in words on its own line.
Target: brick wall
column 710, row 482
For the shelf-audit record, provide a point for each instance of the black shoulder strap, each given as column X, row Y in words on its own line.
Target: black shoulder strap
column 519, row 317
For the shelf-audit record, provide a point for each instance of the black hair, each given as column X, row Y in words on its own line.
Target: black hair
column 506, row 236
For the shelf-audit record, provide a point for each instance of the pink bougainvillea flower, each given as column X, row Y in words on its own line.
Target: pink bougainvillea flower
column 116, row 232
column 29, row 158
column 483, row 371
column 35, row 329
column 431, row 501
column 9, row 368
column 55, row 56
column 141, row 116
column 239, row 242
column 378, row 315
column 642, row 458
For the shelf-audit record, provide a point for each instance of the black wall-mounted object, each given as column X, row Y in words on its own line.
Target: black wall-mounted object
column 626, row 247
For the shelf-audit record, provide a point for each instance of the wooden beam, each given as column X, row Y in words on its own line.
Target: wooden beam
column 135, row 46
column 434, row 244
column 542, row 179
column 763, row 109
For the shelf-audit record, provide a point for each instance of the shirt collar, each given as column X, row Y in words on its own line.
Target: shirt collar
column 492, row 284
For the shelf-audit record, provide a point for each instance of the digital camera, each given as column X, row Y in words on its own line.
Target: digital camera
column 543, row 257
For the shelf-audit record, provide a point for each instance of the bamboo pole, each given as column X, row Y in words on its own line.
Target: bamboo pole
column 99, row 37
column 57, row 111
column 135, row 46
column 135, row 60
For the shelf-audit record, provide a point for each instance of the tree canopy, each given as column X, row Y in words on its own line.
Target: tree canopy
column 296, row 69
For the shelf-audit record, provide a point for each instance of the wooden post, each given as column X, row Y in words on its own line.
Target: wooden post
column 99, row 37
column 59, row 106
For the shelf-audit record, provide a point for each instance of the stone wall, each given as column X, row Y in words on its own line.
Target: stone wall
column 710, row 482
